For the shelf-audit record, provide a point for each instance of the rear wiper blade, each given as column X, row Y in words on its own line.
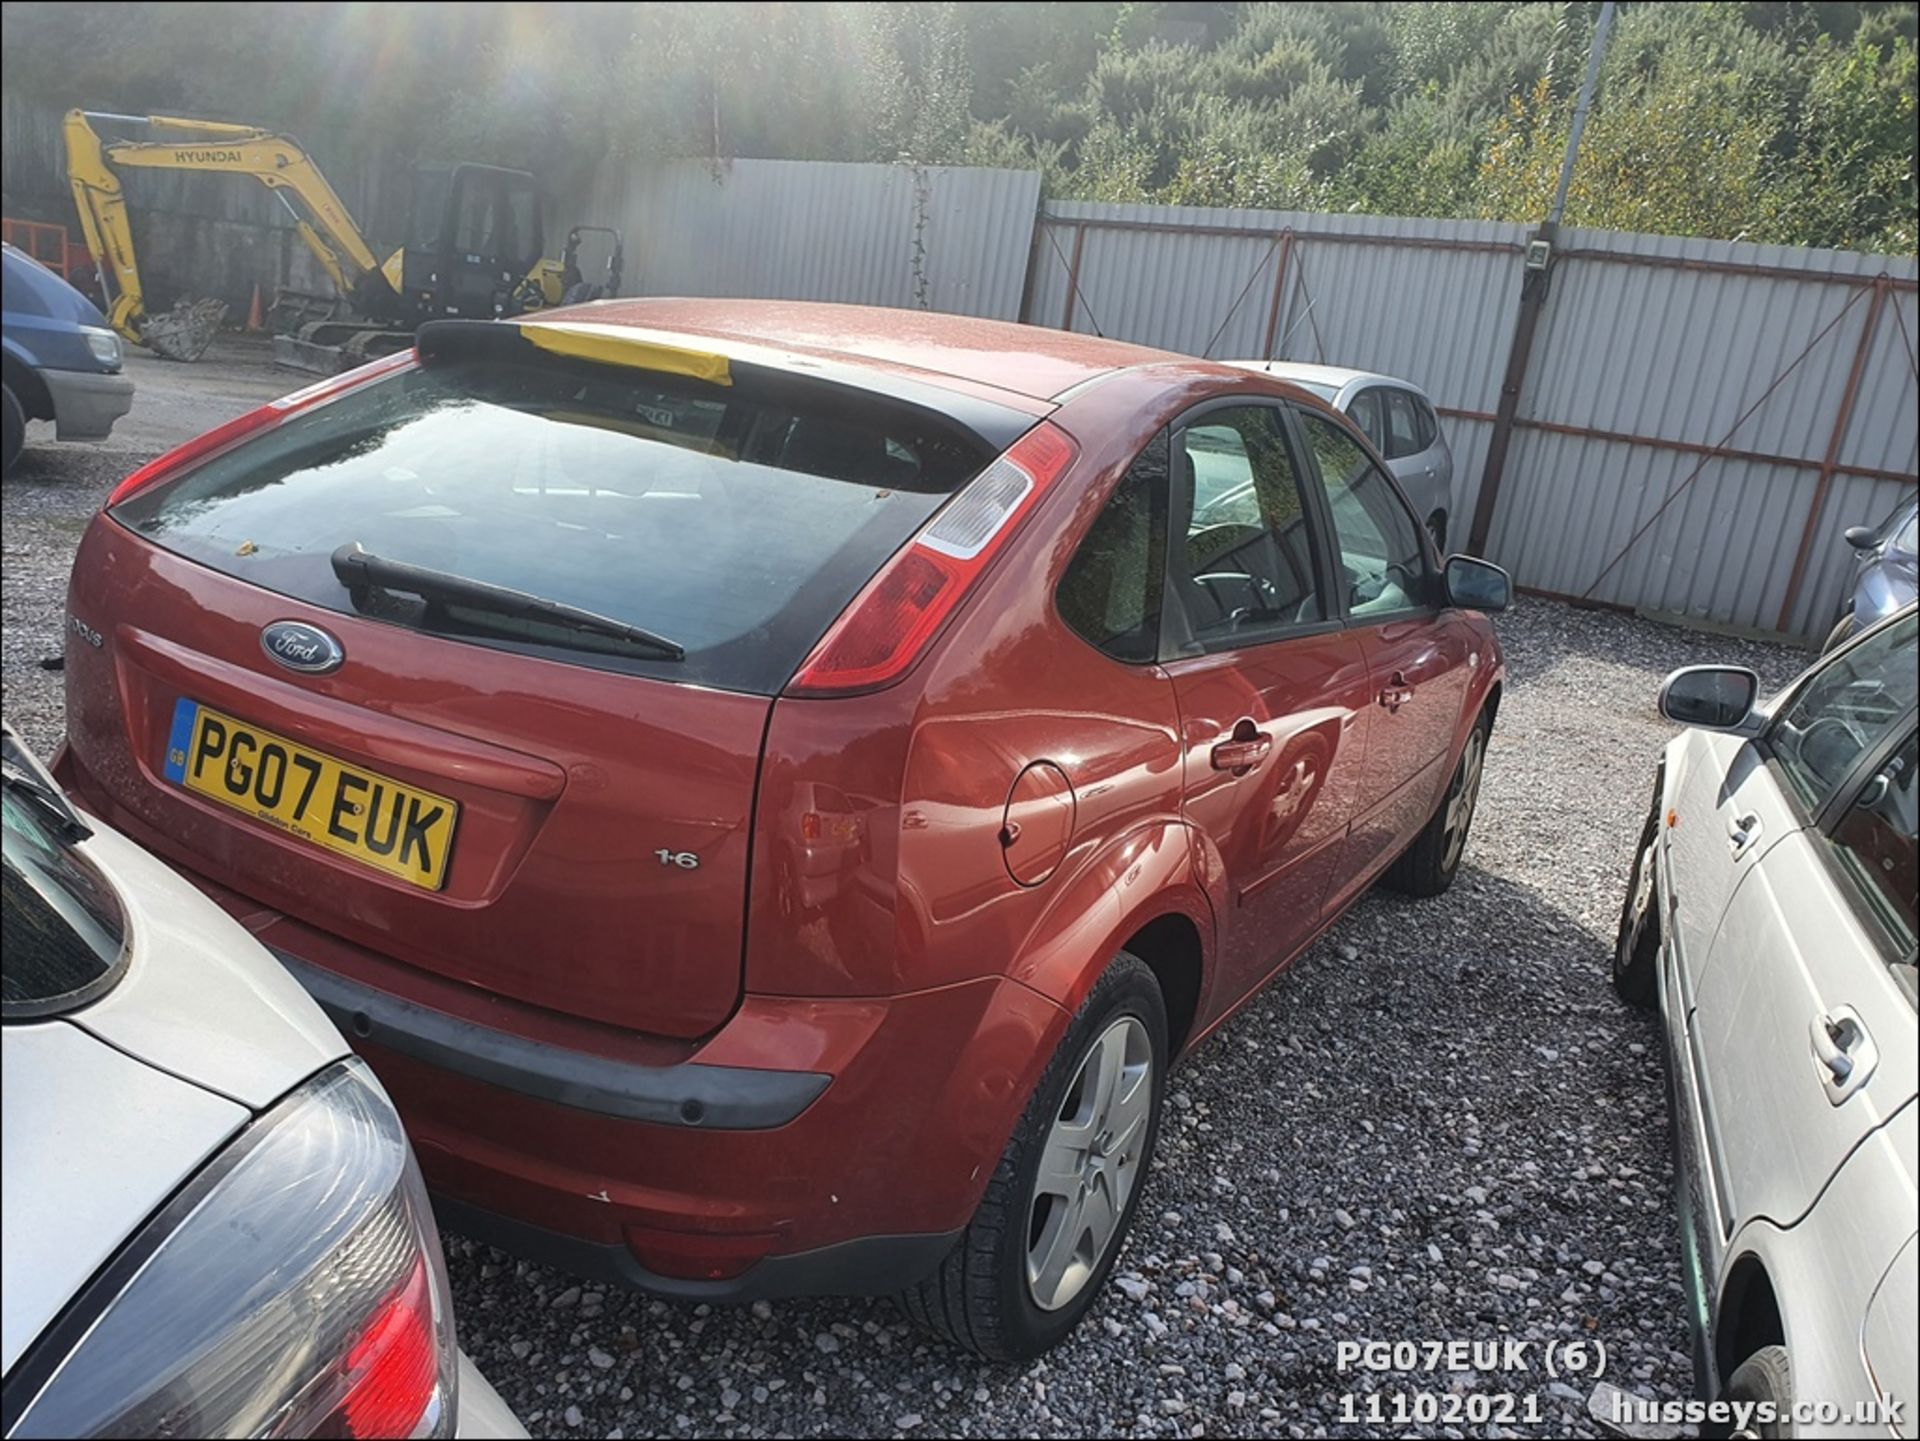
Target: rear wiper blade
column 27, row 779
column 361, row 570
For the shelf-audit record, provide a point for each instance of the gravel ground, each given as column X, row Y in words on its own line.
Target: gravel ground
column 1437, row 1124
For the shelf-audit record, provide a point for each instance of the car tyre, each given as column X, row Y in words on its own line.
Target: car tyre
column 1840, row 634
column 1427, row 867
column 1000, row 1293
column 1765, row 1376
column 1636, row 946
column 15, row 422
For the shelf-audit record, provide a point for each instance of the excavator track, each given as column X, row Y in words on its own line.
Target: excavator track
column 328, row 347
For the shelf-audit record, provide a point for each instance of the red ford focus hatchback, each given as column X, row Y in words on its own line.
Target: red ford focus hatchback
column 771, row 787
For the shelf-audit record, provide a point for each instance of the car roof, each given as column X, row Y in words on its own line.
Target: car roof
column 999, row 356
column 1335, row 377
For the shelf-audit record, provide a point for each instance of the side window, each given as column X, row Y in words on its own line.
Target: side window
column 1244, row 569
column 1111, row 591
column 1876, row 842
column 1844, row 710
column 1425, row 422
column 1365, row 412
column 1403, row 425
column 1382, row 561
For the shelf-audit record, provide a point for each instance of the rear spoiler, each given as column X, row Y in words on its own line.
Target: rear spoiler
column 981, row 422
column 442, row 340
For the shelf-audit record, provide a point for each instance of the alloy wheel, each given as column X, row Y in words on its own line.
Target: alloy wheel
column 1463, row 794
column 1089, row 1164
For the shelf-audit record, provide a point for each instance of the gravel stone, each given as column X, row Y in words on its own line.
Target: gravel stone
column 1366, row 1119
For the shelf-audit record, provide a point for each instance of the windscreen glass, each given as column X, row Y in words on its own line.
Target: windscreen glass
column 734, row 520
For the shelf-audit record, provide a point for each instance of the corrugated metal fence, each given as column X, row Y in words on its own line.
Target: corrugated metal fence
column 925, row 237
column 1698, row 423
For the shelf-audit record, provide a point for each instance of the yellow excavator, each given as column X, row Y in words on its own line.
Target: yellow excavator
column 475, row 247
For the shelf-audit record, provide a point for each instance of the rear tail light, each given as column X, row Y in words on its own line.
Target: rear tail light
column 264, row 417
column 294, row 1288
column 877, row 639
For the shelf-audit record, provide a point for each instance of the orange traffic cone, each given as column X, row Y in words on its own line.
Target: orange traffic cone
column 256, row 322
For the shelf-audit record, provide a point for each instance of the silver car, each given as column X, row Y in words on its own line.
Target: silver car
column 213, row 1224
column 1398, row 418
column 1770, row 915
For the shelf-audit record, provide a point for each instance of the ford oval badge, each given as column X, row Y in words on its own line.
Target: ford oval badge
column 302, row 647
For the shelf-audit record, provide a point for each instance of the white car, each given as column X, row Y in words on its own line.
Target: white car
column 213, row 1224
column 1397, row 417
column 1771, row 916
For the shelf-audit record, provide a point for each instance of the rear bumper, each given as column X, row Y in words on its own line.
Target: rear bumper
column 868, row 1266
column 723, row 1098
column 815, row 1145
column 86, row 404
column 861, row 1192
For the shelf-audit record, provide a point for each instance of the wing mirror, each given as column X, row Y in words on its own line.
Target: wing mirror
column 1712, row 697
column 1863, row 537
column 1474, row 584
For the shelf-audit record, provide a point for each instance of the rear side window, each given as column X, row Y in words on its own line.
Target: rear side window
column 737, row 521
column 1111, row 591
column 1426, row 424
column 1365, row 412
column 1403, row 426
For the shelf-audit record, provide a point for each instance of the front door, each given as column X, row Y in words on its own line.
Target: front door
column 1274, row 693
column 1420, row 655
column 1803, row 1017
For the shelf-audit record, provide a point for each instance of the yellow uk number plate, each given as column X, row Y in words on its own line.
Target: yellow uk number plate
column 358, row 813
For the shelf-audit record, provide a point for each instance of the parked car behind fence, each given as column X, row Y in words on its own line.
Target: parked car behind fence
column 1398, row 418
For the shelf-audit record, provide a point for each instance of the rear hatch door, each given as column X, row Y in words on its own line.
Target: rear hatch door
column 515, row 618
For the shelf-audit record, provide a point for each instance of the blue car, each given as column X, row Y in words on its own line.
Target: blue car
column 62, row 362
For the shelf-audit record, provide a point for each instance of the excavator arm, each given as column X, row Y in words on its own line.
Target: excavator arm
column 276, row 161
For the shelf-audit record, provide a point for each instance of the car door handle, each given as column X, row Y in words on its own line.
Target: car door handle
column 1743, row 831
column 1396, row 692
column 1845, row 1051
column 1240, row 754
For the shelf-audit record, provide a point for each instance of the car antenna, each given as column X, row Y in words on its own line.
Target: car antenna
column 1073, row 280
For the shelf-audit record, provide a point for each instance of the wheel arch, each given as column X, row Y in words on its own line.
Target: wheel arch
column 1748, row 1317
column 1141, row 893
column 36, row 402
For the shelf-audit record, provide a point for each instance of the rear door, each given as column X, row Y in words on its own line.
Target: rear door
column 1273, row 690
column 1419, row 653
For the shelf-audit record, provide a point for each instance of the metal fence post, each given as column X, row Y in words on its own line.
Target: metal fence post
column 1533, row 298
column 1279, row 288
column 1073, row 277
column 1881, row 285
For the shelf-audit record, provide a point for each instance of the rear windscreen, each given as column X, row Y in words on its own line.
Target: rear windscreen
column 735, row 520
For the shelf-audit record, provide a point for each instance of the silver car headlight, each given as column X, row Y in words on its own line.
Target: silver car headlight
column 104, row 344
column 294, row 1287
